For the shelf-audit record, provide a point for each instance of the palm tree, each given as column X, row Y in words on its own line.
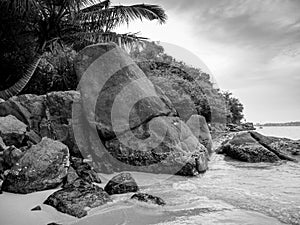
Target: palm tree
column 52, row 23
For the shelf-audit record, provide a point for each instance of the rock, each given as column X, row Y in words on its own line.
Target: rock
column 53, row 223
column 181, row 101
column 46, row 116
column 11, row 156
column 148, row 198
column 2, row 145
column 84, row 170
column 71, row 177
column 42, row 167
column 33, row 137
column 58, row 121
column 12, row 130
column 104, row 71
column 37, row 208
column 245, row 148
column 29, row 109
column 284, row 148
column 120, row 184
column 164, row 145
column 199, row 128
column 74, row 200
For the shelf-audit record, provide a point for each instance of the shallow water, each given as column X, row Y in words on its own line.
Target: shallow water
column 292, row 132
column 230, row 192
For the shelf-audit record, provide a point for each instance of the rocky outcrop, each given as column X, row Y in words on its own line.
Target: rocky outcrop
column 12, row 131
column 46, row 116
column 77, row 199
column 181, row 101
column 148, row 198
column 254, row 147
column 284, row 148
column 164, row 145
column 121, row 104
column 110, row 76
column 199, row 128
column 120, row 184
column 42, row 167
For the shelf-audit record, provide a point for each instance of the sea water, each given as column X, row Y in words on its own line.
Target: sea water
column 230, row 192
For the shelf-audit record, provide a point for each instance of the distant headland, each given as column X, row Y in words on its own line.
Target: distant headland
column 279, row 124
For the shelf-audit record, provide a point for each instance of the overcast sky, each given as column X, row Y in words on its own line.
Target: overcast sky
column 252, row 48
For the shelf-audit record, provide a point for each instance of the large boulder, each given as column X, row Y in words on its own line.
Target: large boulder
column 113, row 86
column 245, row 148
column 284, row 148
column 164, row 145
column 121, row 184
column 77, row 199
column 42, row 167
column 181, row 101
column 200, row 129
column 12, row 130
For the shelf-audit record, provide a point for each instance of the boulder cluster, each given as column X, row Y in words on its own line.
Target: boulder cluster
column 45, row 145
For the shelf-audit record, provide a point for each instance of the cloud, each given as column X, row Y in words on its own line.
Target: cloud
column 252, row 48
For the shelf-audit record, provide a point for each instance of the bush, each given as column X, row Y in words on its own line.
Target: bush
column 54, row 73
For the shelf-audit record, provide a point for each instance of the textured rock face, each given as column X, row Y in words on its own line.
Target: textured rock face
column 11, row 156
column 46, row 115
column 76, row 199
column 42, row 167
column 84, row 170
column 284, row 148
column 120, row 184
column 165, row 145
column 12, row 130
column 148, row 198
column 199, row 128
column 181, row 101
column 29, row 109
column 115, row 76
column 245, row 148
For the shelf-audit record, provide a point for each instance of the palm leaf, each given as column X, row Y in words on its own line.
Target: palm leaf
column 112, row 17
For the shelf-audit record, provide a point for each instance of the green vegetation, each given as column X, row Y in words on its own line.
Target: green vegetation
column 29, row 28
column 235, row 108
column 208, row 100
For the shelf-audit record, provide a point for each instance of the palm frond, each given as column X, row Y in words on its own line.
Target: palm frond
column 112, row 17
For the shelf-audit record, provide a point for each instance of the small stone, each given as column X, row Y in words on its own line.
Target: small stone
column 37, row 208
column 148, row 198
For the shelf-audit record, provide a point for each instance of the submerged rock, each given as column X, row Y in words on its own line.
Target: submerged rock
column 120, row 184
column 148, row 198
column 12, row 130
column 42, row 167
column 253, row 147
column 76, row 199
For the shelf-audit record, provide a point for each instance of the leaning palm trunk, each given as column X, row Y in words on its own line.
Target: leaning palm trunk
column 20, row 85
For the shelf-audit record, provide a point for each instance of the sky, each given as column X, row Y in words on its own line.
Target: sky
column 251, row 47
